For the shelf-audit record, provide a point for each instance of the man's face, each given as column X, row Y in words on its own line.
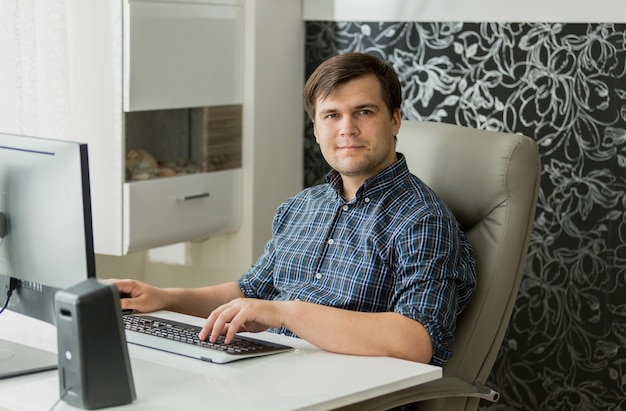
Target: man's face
column 355, row 130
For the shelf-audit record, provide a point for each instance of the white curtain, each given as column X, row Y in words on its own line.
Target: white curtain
column 34, row 72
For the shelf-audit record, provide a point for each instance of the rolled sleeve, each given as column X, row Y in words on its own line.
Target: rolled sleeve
column 437, row 277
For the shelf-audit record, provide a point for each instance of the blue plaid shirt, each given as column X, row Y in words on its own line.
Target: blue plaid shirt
column 394, row 248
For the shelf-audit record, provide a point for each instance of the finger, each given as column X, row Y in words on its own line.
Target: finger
column 221, row 325
column 226, row 323
column 233, row 328
column 129, row 304
column 209, row 324
column 240, row 316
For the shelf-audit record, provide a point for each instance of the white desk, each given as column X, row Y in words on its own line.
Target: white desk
column 305, row 379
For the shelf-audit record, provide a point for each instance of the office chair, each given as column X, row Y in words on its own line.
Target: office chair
column 490, row 180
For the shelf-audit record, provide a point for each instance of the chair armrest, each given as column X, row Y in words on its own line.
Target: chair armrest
column 445, row 387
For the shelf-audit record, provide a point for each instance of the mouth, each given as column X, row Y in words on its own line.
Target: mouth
column 350, row 147
column 349, row 151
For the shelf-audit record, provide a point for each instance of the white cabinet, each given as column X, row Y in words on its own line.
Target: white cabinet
column 182, row 53
column 137, row 55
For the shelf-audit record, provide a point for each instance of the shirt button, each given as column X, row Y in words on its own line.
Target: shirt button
column 331, row 242
column 345, row 207
column 367, row 199
column 318, row 276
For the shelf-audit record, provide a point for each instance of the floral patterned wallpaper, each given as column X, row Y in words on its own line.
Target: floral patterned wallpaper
column 565, row 86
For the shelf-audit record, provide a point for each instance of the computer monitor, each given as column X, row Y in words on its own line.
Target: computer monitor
column 46, row 238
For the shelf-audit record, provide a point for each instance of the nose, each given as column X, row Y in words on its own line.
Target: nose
column 348, row 126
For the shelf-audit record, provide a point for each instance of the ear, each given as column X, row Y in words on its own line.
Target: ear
column 315, row 132
column 396, row 121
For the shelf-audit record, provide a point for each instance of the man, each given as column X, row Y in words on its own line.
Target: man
column 371, row 263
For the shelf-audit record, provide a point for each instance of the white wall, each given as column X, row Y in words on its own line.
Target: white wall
column 600, row 11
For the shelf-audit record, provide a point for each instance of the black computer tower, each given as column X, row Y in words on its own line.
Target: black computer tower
column 94, row 367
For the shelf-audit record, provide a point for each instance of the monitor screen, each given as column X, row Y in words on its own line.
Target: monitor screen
column 46, row 239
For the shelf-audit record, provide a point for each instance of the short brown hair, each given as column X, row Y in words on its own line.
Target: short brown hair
column 345, row 67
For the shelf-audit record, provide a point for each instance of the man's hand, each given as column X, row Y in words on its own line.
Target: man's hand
column 241, row 314
column 141, row 297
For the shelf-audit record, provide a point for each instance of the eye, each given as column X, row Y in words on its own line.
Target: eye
column 365, row 112
column 331, row 115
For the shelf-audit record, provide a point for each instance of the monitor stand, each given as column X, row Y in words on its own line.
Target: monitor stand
column 18, row 359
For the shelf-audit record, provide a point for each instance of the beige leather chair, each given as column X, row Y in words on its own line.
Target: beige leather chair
column 490, row 181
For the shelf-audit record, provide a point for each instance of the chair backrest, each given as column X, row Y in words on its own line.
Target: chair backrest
column 490, row 180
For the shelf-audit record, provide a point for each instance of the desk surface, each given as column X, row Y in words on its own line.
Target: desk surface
column 305, row 379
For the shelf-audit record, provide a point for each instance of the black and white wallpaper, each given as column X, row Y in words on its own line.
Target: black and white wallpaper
column 565, row 86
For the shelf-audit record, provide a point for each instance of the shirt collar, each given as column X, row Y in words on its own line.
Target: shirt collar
column 381, row 182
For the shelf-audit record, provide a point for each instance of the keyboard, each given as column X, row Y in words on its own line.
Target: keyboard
column 180, row 338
